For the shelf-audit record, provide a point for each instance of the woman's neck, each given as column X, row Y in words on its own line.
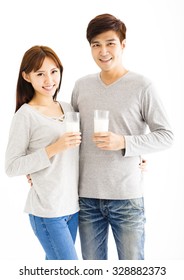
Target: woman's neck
column 46, row 102
column 46, row 106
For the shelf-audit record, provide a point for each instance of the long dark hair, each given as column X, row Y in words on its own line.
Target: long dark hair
column 32, row 61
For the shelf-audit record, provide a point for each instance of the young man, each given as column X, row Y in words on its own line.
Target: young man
column 110, row 186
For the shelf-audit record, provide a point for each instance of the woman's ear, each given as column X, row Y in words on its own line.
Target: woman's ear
column 26, row 77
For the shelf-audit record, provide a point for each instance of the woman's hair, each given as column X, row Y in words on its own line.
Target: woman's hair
column 103, row 23
column 32, row 61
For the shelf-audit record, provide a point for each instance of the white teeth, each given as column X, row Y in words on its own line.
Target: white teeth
column 49, row 87
column 105, row 60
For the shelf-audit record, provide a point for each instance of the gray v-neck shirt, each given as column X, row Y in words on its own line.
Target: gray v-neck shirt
column 136, row 112
column 55, row 181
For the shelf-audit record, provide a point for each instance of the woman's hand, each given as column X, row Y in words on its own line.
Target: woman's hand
column 66, row 141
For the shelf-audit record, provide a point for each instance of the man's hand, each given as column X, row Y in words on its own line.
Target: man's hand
column 29, row 180
column 143, row 165
column 113, row 142
column 109, row 141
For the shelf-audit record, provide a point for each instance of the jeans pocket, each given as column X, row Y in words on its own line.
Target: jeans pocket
column 137, row 203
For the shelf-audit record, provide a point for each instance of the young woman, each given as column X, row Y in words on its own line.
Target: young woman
column 39, row 146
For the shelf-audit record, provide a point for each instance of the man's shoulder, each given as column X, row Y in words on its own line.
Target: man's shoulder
column 89, row 77
column 139, row 77
column 138, row 80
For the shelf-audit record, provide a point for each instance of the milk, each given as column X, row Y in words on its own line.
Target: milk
column 72, row 126
column 101, row 125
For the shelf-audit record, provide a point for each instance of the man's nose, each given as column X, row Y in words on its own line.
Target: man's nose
column 104, row 50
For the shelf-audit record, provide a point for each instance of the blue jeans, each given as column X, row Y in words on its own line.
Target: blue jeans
column 57, row 236
column 126, row 218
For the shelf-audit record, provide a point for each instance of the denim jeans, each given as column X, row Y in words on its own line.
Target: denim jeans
column 126, row 218
column 57, row 236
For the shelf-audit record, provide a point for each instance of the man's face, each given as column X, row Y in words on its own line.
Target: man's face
column 107, row 50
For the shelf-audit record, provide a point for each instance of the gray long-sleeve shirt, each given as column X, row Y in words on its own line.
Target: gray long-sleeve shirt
column 135, row 112
column 55, row 181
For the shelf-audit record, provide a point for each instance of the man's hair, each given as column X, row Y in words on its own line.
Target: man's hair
column 103, row 23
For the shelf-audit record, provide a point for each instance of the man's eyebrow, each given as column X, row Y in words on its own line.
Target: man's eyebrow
column 111, row 40
column 98, row 41
column 94, row 41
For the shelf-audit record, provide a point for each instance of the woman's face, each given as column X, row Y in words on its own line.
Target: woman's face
column 45, row 80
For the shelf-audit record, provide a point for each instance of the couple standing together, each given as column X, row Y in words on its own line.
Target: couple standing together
column 102, row 169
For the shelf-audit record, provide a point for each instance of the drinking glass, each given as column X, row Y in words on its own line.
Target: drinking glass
column 72, row 122
column 101, row 120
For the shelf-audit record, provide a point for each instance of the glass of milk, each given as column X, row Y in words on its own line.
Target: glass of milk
column 101, row 121
column 72, row 122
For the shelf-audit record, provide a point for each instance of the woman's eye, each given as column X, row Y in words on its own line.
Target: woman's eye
column 54, row 71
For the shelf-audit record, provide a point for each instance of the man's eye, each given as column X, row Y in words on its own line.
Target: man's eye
column 95, row 46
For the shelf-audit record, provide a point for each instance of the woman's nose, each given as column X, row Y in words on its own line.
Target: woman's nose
column 48, row 78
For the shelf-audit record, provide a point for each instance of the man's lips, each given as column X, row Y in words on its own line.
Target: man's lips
column 105, row 60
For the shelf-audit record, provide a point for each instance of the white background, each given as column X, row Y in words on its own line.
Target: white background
column 155, row 43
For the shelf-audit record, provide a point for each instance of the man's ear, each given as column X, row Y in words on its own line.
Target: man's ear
column 26, row 77
column 123, row 44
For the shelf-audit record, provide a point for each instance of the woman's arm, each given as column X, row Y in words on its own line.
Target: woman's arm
column 18, row 161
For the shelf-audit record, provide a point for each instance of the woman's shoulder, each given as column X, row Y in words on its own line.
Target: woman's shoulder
column 23, row 110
